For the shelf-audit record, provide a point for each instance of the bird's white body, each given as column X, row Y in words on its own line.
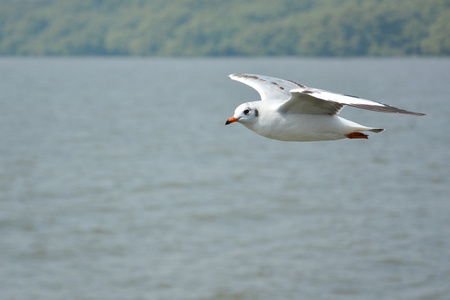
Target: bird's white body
column 300, row 127
column 289, row 111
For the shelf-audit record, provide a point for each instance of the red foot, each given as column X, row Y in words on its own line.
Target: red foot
column 357, row 135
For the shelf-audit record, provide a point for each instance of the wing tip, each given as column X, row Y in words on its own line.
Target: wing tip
column 387, row 109
column 242, row 76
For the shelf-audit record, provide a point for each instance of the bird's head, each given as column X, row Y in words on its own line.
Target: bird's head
column 246, row 113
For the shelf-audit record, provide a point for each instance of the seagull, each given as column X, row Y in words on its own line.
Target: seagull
column 290, row 111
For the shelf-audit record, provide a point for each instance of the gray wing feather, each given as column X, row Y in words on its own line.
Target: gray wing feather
column 305, row 103
column 315, row 101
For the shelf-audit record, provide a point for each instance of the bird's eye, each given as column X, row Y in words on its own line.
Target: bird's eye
column 246, row 112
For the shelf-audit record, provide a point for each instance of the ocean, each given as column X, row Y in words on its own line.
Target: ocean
column 119, row 180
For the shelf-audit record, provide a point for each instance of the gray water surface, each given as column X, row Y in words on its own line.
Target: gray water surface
column 119, row 180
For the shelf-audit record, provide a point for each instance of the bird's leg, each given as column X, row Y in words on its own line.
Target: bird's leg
column 357, row 135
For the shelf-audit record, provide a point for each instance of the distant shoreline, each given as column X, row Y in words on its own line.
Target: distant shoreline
column 234, row 28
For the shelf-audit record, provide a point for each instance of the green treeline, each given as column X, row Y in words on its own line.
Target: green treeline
column 225, row 27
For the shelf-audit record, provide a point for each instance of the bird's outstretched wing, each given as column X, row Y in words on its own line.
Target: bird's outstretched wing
column 297, row 98
column 269, row 88
column 315, row 101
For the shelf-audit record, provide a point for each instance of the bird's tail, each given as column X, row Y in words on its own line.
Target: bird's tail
column 377, row 130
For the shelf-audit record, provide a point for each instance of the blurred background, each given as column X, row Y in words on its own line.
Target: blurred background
column 119, row 180
column 234, row 27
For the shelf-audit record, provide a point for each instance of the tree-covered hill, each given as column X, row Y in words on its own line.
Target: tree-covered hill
column 225, row 27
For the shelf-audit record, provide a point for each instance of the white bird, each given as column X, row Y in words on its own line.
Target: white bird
column 290, row 111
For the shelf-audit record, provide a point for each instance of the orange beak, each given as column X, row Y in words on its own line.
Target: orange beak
column 231, row 120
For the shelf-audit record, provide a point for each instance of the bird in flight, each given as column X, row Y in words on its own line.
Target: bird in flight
column 290, row 111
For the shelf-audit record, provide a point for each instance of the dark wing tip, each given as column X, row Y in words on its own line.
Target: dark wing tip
column 299, row 84
column 387, row 109
column 250, row 76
